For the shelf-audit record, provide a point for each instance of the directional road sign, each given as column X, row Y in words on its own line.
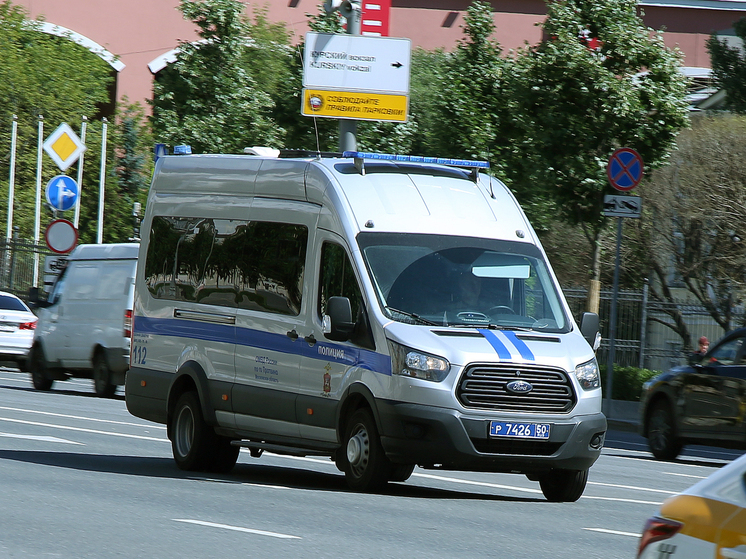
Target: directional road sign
column 343, row 62
column 624, row 169
column 622, row 206
column 62, row 192
column 64, row 146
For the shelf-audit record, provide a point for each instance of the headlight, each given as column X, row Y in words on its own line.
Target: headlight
column 587, row 375
column 409, row 362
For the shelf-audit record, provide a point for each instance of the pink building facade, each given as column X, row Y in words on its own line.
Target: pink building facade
column 138, row 36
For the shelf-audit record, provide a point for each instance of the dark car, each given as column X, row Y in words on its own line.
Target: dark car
column 703, row 402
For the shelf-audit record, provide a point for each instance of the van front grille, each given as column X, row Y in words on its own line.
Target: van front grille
column 484, row 387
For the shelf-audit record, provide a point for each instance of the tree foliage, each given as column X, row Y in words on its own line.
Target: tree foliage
column 54, row 77
column 217, row 95
column 694, row 227
column 729, row 67
column 600, row 80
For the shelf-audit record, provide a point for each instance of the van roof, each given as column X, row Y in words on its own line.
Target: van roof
column 113, row 251
column 399, row 196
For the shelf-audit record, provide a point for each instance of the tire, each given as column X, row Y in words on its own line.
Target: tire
column 401, row 472
column 224, row 455
column 38, row 369
column 363, row 460
column 563, row 486
column 662, row 439
column 192, row 440
column 102, row 377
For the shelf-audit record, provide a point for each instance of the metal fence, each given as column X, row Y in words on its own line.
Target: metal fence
column 642, row 338
column 18, row 259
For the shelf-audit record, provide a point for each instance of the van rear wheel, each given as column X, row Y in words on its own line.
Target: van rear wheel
column 38, row 367
column 102, row 377
column 191, row 438
column 364, row 462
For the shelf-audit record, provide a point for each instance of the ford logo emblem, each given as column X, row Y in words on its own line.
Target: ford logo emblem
column 519, row 387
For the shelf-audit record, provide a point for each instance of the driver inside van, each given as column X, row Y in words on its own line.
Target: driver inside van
column 469, row 291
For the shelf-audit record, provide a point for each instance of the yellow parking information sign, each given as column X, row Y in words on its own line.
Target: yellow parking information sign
column 354, row 105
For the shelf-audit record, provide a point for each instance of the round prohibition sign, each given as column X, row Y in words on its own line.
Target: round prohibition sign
column 61, row 236
column 624, row 169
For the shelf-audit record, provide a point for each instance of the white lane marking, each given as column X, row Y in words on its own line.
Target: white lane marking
column 147, row 425
column 615, row 532
column 94, row 431
column 238, row 529
column 724, row 462
column 683, row 475
column 634, row 488
column 479, row 483
column 38, row 438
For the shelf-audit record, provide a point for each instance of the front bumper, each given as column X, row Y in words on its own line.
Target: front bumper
column 442, row 438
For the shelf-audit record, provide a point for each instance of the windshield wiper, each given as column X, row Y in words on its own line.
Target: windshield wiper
column 489, row 326
column 412, row 315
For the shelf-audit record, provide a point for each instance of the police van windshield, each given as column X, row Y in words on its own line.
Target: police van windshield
column 462, row 282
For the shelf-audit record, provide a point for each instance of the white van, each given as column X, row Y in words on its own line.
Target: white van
column 85, row 325
column 384, row 311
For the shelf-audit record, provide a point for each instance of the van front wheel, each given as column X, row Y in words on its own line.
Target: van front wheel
column 38, row 366
column 563, row 486
column 191, row 437
column 364, row 462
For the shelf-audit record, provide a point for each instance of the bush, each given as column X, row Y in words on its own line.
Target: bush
column 628, row 381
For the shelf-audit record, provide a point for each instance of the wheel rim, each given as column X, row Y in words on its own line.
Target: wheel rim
column 358, row 451
column 184, row 435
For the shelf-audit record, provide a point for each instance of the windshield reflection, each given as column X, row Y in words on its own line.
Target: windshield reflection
column 462, row 281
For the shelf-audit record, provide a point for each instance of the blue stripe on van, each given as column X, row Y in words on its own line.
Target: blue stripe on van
column 520, row 345
column 348, row 355
column 499, row 347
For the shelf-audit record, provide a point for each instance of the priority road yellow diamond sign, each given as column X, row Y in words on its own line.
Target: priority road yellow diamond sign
column 64, row 146
column 354, row 105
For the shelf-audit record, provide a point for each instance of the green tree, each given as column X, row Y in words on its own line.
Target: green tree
column 729, row 67
column 48, row 75
column 693, row 231
column 600, row 80
column 217, row 95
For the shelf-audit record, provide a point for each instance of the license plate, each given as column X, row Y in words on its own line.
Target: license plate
column 7, row 328
column 519, row 430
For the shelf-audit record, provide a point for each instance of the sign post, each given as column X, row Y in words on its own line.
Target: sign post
column 624, row 171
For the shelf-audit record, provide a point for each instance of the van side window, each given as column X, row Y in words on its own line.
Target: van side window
column 337, row 279
column 227, row 262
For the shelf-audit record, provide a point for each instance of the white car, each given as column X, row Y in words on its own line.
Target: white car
column 17, row 324
column 706, row 520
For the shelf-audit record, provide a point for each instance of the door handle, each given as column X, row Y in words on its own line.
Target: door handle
column 310, row 339
column 293, row 335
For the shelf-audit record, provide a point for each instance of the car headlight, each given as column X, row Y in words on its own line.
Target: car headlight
column 588, row 375
column 409, row 362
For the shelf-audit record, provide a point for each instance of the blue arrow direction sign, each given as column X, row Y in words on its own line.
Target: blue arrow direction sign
column 62, row 192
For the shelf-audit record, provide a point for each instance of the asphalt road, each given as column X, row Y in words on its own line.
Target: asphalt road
column 81, row 477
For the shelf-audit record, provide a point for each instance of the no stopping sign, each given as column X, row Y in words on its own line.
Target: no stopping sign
column 61, row 236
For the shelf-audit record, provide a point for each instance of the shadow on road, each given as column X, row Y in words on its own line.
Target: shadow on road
column 242, row 474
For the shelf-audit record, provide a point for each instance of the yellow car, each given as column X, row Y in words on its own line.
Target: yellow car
column 708, row 520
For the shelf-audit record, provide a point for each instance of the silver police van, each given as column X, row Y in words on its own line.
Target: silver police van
column 384, row 311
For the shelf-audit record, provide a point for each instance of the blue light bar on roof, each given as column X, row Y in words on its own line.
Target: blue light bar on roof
column 417, row 159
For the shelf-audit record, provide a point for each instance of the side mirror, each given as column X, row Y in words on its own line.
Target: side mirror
column 339, row 311
column 589, row 325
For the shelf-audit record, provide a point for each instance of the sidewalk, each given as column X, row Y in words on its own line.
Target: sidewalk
column 623, row 416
